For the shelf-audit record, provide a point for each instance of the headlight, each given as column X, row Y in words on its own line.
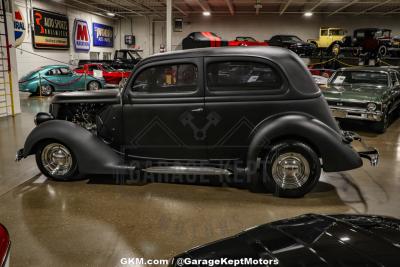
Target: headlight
column 371, row 106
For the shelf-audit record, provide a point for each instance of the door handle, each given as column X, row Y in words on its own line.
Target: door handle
column 197, row 110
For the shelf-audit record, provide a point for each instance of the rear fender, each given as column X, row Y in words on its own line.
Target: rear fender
column 335, row 154
column 93, row 155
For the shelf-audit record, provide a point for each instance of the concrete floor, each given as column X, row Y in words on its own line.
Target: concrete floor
column 95, row 222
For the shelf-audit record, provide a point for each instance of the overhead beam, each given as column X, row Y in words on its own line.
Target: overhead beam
column 316, row 5
column 203, row 4
column 285, row 7
column 392, row 11
column 95, row 7
column 373, row 7
column 125, row 8
column 343, row 7
column 230, row 7
column 180, row 10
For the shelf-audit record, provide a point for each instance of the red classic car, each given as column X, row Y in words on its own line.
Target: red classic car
column 246, row 41
column 110, row 75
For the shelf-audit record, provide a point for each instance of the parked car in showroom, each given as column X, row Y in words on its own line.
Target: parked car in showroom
column 202, row 39
column 370, row 94
column 111, row 76
column 372, row 40
column 330, row 39
column 53, row 78
column 246, row 41
column 293, row 43
column 306, row 240
column 252, row 112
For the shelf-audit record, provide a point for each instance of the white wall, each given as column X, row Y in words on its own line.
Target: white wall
column 28, row 62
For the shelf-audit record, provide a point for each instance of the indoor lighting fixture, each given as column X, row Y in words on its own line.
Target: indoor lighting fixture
column 206, row 13
column 308, row 14
column 110, row 14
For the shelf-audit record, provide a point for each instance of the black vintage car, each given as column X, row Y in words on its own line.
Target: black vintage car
column 370, row 40
column 254, row 111
column 293, row 43
column 307, row 240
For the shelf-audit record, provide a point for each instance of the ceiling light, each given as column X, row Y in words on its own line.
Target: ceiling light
column 110, row 14
column 308, row 14
column 206, row 13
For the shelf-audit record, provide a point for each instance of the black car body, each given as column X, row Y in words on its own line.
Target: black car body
column 202, row 39
column 123, row 59
column 307, row 240
column 371, row 40
column 208, row 111
column 293, row 43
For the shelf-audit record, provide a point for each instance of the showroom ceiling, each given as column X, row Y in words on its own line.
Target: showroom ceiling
column 125, row 8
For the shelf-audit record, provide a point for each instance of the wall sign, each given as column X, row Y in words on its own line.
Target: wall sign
column 81, row 35
column 19, row 26
column 51, row 30
column 130, row 40
column 103, row 35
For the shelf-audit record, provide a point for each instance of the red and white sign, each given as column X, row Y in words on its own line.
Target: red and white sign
column 19, row 26
column 81, row 35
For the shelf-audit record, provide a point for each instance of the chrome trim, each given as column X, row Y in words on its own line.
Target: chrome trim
column 19, row 155
column 343, row 112
column 290, row 170
column 369, row 153
column 187, row 170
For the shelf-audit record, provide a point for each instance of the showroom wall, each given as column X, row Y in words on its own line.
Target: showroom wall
column 27, row 62
column 261, row 27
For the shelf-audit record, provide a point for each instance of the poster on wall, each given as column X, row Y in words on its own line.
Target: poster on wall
column 103, row 35
column 51, row 30
column 19, row 26
column 81, row 35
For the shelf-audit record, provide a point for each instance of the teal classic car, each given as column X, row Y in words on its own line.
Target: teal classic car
column 52, row 78
column 370, row 94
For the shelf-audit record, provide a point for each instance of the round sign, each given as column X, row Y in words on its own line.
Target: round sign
column 19, row 27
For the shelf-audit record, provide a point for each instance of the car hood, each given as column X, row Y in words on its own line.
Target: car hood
column 101, row 96
column 360, row 92
column 296, row 43
column 312, row 240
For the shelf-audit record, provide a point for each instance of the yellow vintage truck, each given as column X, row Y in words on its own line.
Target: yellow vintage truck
column 330, row 39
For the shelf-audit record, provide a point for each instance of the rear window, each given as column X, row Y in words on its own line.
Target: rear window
column 242, row 76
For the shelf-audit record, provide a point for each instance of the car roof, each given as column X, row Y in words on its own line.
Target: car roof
column 372, row 29
column 54, row 66
column 368, row 68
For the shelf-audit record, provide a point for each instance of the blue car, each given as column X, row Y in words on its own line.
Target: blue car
column 52, row 78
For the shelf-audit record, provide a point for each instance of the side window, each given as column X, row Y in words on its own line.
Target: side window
column 175, row 78
column 324, row 32
column 65, row 71
column 393, row 77
column 53, row 72
column 93, row 67
column 242, row 76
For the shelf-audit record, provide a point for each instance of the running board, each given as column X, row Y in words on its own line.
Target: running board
column 187, row 170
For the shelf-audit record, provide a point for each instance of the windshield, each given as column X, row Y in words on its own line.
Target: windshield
column 134, row 55
column 291, row 39
column 108, row 68
column 359, row 77
column 245, row 39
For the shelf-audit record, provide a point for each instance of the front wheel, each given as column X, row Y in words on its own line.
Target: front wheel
column 56, row 161
column 291, row 169
column 335, row 50
column 45, row 90
column 382, row 51
column 93, row 86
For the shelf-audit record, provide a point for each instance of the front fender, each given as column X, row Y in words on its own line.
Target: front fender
column 93, row 155
column 336, row 155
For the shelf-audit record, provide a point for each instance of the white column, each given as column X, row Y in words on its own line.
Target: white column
column 169, row 26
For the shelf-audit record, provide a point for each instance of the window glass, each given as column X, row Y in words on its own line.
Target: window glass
column 167, row 79
column 324, row 32
column 360, row 77
column 65, row 71
column 337, row 32
column 54, row 72
column 242, row 76
column 93, row 67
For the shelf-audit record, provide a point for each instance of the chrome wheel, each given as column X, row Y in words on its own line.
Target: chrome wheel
column 92, row 86
column 46, row 90
column 290, row 171
column 56, row 159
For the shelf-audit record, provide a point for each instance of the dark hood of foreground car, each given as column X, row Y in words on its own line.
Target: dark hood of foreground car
column 101, row 96
column 311, row 240
column 361, row 92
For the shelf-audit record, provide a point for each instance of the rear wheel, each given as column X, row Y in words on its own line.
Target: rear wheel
column 382, row 51
column 45, row 90
column 56, row 161
column 93, row 86
column 290, row 169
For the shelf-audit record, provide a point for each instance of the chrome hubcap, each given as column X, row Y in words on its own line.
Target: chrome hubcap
column 93, row 86
column 56, row 159
column 290, row 171
column 45, row 90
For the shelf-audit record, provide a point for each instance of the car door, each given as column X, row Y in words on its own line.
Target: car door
column 68, row 80
column 238, row 96
column 163, row 111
